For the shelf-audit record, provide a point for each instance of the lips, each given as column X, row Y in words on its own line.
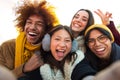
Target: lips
column 32, row 34
column 76, row 25
column 60, row 53
column 100, row 51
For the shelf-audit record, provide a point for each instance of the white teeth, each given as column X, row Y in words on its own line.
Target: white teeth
column 76, row 25
column 31, row 33
column 61, row 50
column 101, row 49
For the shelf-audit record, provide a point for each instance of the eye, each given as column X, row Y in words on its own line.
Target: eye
column 67, row 40
column 57, row 39
column 76, row 16
column 28, row 22
column 84, row 19
column 91, row 41
column 103, row 38
column 40, row 24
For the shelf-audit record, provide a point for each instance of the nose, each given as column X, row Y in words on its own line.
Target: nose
column 97, row 43
column 79, row 19
column 33, row 26
column 62, row 44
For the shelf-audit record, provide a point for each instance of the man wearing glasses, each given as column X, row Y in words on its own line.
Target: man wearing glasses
column 101, row 52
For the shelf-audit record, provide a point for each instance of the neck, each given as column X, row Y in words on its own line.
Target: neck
column 75, row 34
column 35, row 44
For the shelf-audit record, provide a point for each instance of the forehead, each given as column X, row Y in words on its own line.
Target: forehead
column 95, row 33
column 83, row 13
column 35, row 17
column 62, row 33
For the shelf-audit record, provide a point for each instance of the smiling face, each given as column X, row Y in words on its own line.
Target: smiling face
column 61, row 44
column 101, row 48
column 79, row 21
column 34, row 29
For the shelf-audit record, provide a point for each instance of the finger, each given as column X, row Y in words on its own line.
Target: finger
column 100, row 11
column 97, row 13
column 109, row 15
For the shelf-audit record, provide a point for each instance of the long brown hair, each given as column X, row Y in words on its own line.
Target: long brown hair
column 47, row 56
column 90, row 20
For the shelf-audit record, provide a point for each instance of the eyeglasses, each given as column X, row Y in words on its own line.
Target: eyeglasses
column 101, row 39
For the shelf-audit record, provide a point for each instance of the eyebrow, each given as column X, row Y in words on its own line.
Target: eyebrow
column 98, row 36
column 79, row 15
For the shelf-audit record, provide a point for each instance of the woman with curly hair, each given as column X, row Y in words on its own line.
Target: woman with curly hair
column 22, row 55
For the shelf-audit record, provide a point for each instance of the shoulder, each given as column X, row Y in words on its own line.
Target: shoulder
column 80, row 56
column 8, row 43
column 81, row 70
column 115, row 46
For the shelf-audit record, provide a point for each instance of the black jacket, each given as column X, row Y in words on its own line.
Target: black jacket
column 91, row 64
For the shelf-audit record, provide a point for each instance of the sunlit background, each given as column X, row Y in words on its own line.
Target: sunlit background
column 65, row 11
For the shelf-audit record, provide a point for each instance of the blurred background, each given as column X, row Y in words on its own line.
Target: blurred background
column 65, row 10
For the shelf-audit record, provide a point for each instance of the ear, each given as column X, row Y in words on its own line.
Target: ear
column 46, row 42
column 74, row 46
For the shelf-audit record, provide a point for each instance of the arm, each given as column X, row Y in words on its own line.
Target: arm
column 105, row 20
column 115, row 32
column 7, row 59
column 7, row 55
column 82, row 70
column 88, row 78
column 110, row 73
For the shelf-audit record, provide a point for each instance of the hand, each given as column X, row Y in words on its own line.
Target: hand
column 111, row 73
column 33, row 63
column 104, row 17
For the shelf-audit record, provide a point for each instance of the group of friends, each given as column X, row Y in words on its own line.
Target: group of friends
column 48, row 50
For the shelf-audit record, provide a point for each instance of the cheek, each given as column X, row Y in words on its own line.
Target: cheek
column 69, row 47
column 91, row 48
column 25, row 28
column 52, row 45
column 84, row 25
column 41, row 29
column 109, row 46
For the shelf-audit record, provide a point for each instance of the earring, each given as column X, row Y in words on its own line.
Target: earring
column 46, row 42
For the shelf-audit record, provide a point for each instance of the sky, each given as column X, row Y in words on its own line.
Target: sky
column 65, row 10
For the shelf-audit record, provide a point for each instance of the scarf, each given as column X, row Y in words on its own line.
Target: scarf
column 81, row 46
column 24, row 50
column 48, row 73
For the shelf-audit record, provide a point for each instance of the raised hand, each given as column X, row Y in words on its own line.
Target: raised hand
column 104, row 17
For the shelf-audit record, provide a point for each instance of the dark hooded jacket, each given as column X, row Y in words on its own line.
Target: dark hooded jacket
column 91, row 64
